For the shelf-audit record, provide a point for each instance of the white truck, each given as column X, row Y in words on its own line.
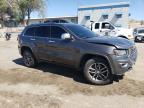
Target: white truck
column 108, row 29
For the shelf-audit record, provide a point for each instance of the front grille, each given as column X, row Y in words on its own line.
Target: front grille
column 132, row 53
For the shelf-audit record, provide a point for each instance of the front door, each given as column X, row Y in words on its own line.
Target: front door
column 62, row 51
column 105, row 29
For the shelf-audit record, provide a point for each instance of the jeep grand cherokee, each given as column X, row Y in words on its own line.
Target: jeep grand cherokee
column 99, row 57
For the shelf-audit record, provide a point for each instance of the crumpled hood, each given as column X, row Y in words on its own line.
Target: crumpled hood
column 118, row 42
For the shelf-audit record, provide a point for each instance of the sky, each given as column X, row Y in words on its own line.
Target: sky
column 55, row 8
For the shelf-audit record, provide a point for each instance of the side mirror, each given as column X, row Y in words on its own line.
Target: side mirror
column 66, row 36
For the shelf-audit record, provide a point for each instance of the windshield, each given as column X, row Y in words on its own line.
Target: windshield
column 81, row 32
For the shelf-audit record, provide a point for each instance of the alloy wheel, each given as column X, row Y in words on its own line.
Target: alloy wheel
column 28, row 59
column 98, row 71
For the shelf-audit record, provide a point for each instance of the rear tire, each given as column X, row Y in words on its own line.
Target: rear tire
column 97, row 71
column 29, row 59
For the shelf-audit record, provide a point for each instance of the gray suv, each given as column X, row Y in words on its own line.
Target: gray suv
column 72, row 45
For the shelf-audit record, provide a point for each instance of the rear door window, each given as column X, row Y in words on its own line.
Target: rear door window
column 56, row 32
column 43, row 31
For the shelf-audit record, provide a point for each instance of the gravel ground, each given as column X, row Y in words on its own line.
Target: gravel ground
column 53, row 86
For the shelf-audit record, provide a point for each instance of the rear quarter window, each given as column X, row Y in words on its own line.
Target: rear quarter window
column 30, row 32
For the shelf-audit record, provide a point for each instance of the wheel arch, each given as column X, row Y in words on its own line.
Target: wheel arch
column 25, row 48
column 89, row 56
column 122, row 36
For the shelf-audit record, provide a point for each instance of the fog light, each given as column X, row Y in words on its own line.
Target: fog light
column 124, row 65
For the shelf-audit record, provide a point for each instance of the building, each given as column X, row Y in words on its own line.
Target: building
column 73, row 19
column 116, row 13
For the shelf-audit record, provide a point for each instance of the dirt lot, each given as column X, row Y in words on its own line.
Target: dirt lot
column 53, row 86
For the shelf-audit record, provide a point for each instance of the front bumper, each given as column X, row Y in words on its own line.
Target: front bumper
column 120, row 65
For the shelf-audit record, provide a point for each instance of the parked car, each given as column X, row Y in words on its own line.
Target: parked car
column 56, row 21
column 108, row 29
column 72, row 45
column 139, row 34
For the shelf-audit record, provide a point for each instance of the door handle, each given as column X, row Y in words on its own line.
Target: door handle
column 32, row 39
column 50, row 41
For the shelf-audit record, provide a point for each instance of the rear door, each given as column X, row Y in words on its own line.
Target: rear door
column 27, row 38
column 29, row 34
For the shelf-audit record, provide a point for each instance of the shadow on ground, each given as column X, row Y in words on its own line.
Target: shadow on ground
column 63, row 71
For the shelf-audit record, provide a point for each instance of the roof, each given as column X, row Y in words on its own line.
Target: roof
column 104, row 6
column 52, row 23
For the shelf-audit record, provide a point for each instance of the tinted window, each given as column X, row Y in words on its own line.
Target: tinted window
column 87, row 17
column 119, row 16
column 105, row 16
column 30, row 32
column 105, row 25
column 47, row 21
column 63, row 21
column 56, row 32
column 43, row 31
column 141, row 31
column 55, row 21
column 81, row 31
column 97, row 26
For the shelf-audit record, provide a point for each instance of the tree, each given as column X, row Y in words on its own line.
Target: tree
column 142, row 22
column 7, row 10
column 26, row 7
column 3, row 9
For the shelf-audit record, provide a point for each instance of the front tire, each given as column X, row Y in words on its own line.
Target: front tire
column 136, row 40
column 29, row 59
column 97, row 71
